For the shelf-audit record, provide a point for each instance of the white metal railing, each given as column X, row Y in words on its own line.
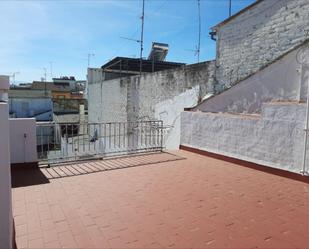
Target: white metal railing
column 72, row 141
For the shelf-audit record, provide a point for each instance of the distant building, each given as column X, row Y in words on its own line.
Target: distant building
column 29, row 103
column 42, row 99
column 63, row 87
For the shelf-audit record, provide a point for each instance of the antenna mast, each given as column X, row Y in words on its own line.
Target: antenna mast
column 51, row 69
column 230, row 8
column 199, row 31
column 142, row 38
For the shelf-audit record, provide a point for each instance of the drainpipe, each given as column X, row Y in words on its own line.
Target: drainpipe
column 304, row 172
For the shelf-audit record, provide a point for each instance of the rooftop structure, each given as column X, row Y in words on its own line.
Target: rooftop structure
column 124, row 66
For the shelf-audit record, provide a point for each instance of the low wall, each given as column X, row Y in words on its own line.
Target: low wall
column 23, row 140
column 275, row 138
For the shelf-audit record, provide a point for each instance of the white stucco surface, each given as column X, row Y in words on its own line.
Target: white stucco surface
column 169, row 112
column 286, row 79
column 23, row 140
column 41, row 108
column 6, row 220
column 151, row 96
column 4, row 87
column 275, row 138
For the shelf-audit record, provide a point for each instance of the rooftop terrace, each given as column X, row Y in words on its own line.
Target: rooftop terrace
column 183, row 200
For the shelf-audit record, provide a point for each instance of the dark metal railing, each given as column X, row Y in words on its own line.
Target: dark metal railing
column 73, row 141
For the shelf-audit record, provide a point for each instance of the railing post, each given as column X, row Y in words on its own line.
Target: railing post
column 161, row 128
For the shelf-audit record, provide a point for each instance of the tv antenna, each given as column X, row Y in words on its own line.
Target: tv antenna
column 141, row 40
column 51, row 69
column 89, row 58
column 230, row 8
column 130, row 39
column 13, row 75
column 197, row 49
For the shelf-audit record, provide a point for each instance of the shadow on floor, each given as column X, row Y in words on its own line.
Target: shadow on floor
column 22, row 177
column 27, row 177
column 107, row 164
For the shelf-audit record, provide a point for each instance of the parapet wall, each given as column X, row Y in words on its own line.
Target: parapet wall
column 275, row 138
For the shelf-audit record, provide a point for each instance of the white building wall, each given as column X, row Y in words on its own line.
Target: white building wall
column 169, row 112
column 30, row 107
column 258, row 36
column 148, row 96
column 4, row 87
column 285, row 79
column 23, row 140
column 107, row 102
column 275, row 139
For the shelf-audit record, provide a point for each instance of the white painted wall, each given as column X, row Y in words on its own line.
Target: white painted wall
column 169, row 112
column 41, row 108
column 6, row 219
column 4, row 87
column 151, row 96
column 23, row 140
column 275, row 139
column 284, row 80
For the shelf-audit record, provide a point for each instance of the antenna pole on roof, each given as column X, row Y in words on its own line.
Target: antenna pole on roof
column 51, row 69
column 142, row 38
column 199, row 31
column 230, row 8
column 89, row 57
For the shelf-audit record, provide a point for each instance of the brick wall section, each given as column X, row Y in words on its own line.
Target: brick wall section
column 274, row 139
column 257, row 37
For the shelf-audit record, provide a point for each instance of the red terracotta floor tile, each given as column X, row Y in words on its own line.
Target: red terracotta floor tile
column 198, row 202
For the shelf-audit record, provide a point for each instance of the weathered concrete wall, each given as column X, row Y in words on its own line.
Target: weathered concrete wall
column 107, row 99
column 274, row 139
column 258, row 36
column 286, row 79
column 169, row 112
column 148, row 96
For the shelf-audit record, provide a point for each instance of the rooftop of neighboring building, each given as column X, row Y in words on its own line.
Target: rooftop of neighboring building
column 29, row 93
column 132, row 65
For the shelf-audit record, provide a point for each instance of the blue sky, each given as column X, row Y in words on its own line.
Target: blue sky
column 35, row 33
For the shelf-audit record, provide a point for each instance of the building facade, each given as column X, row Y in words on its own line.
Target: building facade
column 27, row 103
column 256, row 36
column 150, row 96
